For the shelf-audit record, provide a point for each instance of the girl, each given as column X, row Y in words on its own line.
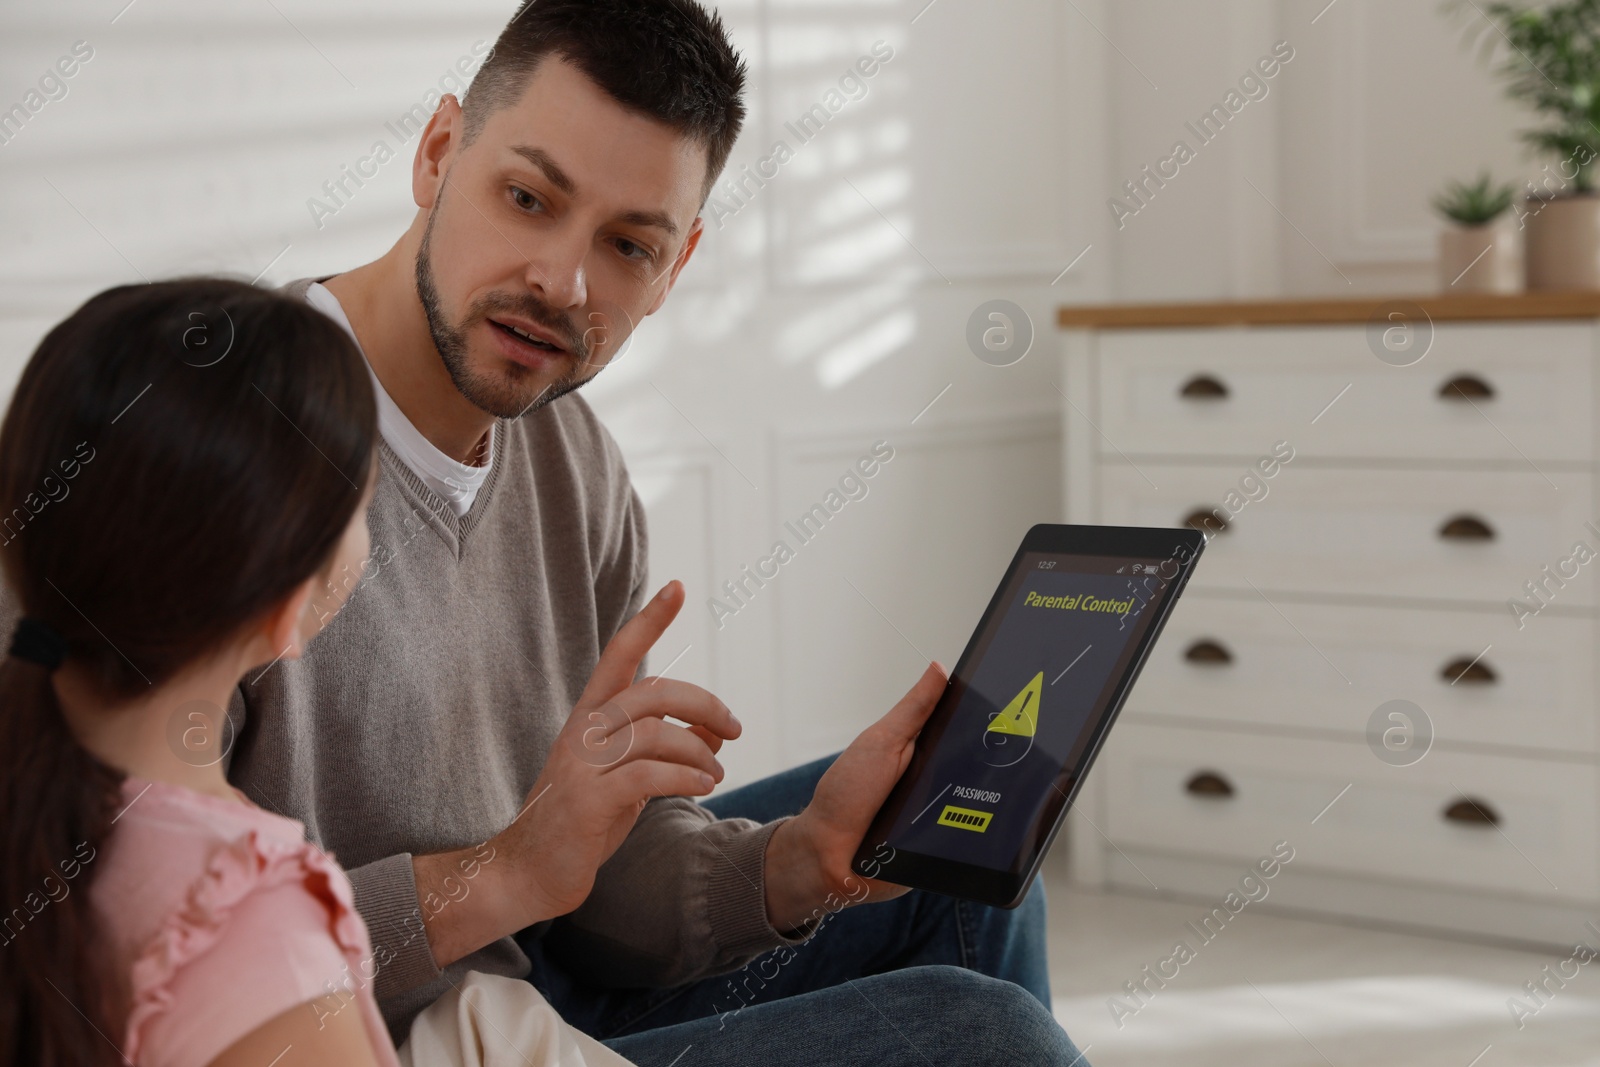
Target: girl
column 182, row 464
column 186, row 466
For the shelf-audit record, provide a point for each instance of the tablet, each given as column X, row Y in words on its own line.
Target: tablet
column 1026, row 710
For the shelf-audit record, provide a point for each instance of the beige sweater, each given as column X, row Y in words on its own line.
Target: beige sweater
column 419, row 719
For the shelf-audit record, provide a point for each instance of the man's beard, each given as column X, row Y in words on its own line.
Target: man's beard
column 502, row 396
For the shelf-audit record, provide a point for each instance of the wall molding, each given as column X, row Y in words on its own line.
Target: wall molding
column 993, row 428
column 792, row 447
column 1360, row 242
column 702, row 464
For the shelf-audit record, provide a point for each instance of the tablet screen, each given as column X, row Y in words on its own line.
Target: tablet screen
column 1043, row 671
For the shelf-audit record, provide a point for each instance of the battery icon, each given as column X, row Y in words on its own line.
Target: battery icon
column 965, row 818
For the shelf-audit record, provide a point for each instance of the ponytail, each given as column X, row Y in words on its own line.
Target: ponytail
column 56, row 806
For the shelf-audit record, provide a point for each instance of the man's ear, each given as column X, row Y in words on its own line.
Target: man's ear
column 678, row 264
column 440, row 138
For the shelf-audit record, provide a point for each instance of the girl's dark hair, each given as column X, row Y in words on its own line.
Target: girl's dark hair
column 176, row 460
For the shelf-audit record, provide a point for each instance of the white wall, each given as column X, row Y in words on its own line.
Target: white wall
column 828, row 312
column 1382, row 103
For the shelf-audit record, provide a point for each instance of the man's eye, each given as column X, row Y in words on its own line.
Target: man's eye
column 524, row 199
column 631, row 250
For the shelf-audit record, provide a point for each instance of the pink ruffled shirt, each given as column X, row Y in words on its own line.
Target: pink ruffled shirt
column 221, row 916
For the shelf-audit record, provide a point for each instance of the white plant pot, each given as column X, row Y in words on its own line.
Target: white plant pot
column 1563, row 242
column 1480, row 259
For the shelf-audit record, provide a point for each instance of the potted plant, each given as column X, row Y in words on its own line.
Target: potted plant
column 1552, row 61
column 1478, row 254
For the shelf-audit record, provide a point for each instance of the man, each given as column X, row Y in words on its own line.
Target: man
column 470, row 738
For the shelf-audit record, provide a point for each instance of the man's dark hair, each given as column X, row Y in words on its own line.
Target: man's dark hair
column 668, row 59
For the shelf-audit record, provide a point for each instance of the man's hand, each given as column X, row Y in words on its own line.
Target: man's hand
column 615, row 753
column 808, row 859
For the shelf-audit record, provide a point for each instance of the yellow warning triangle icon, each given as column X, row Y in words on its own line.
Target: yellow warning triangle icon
column 1021, row 716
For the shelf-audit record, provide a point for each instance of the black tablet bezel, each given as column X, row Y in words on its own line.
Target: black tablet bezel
column 1006, row 888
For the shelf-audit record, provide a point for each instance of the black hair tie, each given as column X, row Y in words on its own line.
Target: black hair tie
column 36, row 642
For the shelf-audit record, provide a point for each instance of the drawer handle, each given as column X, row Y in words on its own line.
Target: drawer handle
column 1203, row 387
column 1207, row 522
column 1468, row 672
column 1208, row 652
column 1466, row 528
column 1470, row 812
column 1209, row 784
column 1466, row 387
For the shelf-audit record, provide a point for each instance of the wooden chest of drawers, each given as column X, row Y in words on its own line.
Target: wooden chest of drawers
column 1381, row 563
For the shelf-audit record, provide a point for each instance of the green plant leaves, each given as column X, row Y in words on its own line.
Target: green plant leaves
column 1476, row 204
column 1552, row 62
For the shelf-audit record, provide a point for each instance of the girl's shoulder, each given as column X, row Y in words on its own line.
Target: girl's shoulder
column 168, row 844
column 164, row 806
column 219, row 915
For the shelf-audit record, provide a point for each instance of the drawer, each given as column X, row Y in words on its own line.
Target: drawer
column 1372, row 532
column 1329, row 666
column 1531, row 387
column 1391, row 822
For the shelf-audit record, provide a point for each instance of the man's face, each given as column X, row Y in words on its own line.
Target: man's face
column 550, row 237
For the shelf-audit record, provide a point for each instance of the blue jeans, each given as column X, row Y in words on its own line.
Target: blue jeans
column 916, row 980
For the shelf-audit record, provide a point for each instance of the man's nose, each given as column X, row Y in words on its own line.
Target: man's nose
column 556, row 270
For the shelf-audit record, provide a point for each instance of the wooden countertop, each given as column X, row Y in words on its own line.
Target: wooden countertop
column 1439, row 308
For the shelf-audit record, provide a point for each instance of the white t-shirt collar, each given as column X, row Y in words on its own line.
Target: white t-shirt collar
column 458, row 483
